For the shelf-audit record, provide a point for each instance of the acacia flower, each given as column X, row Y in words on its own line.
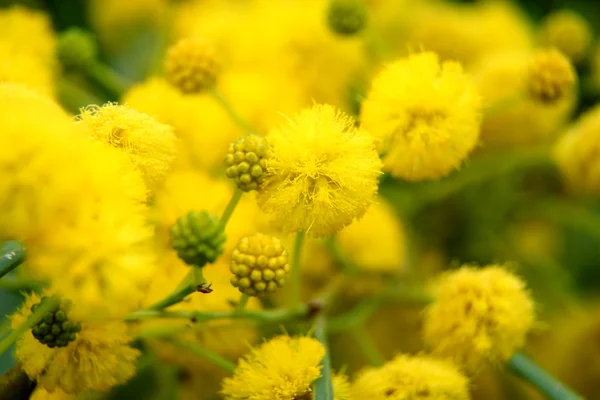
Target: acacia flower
column 149, row 144
column 322, row 172
column 569, row 32
column 191, row 65
column 426, row 115
column 283, row 368
column 479, row 315
column 550, row 76
column 406, row 377
column 97, row 360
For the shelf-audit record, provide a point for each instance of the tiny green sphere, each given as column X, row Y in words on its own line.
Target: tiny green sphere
column 347, row 17
column 76, row 49
column 55, row 329
column 198, row 238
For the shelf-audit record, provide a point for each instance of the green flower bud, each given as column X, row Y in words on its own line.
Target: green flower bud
column 55, row 329
column 347, row 17
column 259, row 264
column 76, row 49
column 246, row 162
column 198, row 238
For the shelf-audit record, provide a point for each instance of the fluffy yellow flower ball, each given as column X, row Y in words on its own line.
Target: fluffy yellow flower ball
column 376, row 242
column 479, row 315
column 97, row 360
column 576, row 153
column 322, row 172
column 149, row 144
column 569, row 32
column 412, row 378
column 550, row 76
column 426, row 115
column 281, row 369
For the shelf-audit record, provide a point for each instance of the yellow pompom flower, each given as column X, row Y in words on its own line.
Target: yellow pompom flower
column 149, row 144
column 283, row 368
column 376, row 242
column 569, row 32
column 341, row 387
column 28, row 31
column 25, row 68
column 43, row 394
column 322, row 172
column 97, row 360
column 191, row 65
column 515, row 120
column 550, row 76
column 478, row 316
column 576, row 153
column 426, row 115
column 405, row 377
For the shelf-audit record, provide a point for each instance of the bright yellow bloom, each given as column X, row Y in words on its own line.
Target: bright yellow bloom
column 576, row 153
column 407, row 377
column 24, row 68
column 479, row 315
column 77, row 205
column 97, row 360
column 43, row 394
column 283, row 368
column 149, row 144
column 191, row 65
column 569, row 32
column 322, row 173
column 469, row 32
column 514, row 119
column 550, row 76
column 426, row 114
column 28, row 31
column 341, row 387
column 375, row 242
column 203, row 128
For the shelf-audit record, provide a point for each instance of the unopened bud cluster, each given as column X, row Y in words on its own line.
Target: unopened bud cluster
column 347, row 17
column 550, row 76
column 259, row 264
column 246, row 162
column 191, row 65
column 198, row 238
column 76, row 49
column 55, row 329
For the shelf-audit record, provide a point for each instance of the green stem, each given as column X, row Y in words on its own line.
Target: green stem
column 348, row 266
column 367, row 346
column 296, row 281
column 179, row 294
column 233, row 202
column 270, row 316
column 242, row 303
column 198, row 276
column 525, row 368
column 33, row 319
column 323, row 385
column 107, row 78
column 21, row 285
column 12, row 255
column 208, row 355
column 230, row 110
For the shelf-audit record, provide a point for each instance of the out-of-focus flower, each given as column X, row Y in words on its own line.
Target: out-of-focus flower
column 511, row 119
column 149, row 144
column 97, row 360
column 191, row 65
column 322, row 172
column 550, row 76
column 576, row 153
column 479, row 316
column 569, row 32
column 426, row 115
column 282, row 368
column 412, row 377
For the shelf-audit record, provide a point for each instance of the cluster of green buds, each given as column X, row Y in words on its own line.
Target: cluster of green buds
column 55, row 329
column 76, row 49
column 246, row 162
column 347, row 17
column 259, row 264
column 198, row 238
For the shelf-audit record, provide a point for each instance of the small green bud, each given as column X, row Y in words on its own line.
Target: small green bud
column 246, row 162
column 198, row 238
column 76, row 49
column 55, row 329
column 347, row 17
